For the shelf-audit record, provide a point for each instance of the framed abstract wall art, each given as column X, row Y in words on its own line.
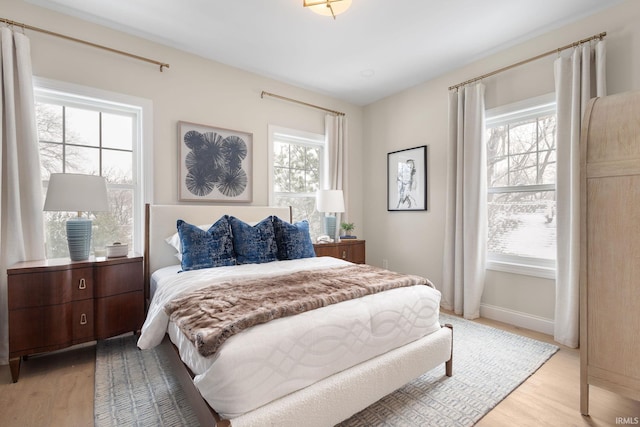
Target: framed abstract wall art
column 407, row 179
column 215, row 164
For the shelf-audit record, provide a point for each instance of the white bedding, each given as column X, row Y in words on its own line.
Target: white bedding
column 159, row 275
column 271, row 360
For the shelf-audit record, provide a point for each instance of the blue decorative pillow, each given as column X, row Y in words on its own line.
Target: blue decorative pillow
column 254, row 244
column 293, row 240
column 206, row 248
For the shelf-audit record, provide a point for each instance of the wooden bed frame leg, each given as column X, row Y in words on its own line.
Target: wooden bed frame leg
column 448, row 365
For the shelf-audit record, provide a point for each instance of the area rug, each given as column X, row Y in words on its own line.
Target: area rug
column 488, row 364
column 136, row 388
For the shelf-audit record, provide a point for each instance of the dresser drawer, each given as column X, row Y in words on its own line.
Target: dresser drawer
column 49, row 288
column 327, row 249
column 83, row 326
column 120, row 278
column 119, row 314
column 351, row 250
column 37, row 329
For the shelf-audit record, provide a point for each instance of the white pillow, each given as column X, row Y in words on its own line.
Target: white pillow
column 174, row 240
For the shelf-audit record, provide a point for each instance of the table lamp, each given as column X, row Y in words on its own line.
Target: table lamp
column 69, row 192
column 330, row 202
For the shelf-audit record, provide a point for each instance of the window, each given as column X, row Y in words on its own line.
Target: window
column 297, row 160
column 521, row 200
column 97, row 136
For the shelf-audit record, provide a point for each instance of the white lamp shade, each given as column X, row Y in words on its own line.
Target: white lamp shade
column 73, row 192
column 330, row 201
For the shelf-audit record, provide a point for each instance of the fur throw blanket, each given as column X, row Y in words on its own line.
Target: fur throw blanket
column 209, row 316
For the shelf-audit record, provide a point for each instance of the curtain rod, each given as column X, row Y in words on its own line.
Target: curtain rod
column 51, row 33
column 337, row 113
column 542, row 55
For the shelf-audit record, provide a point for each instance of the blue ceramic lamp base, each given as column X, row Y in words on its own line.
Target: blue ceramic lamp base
column 79, row 238
column 330, row 226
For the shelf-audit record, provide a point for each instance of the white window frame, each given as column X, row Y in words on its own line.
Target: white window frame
column 299, row 137
column 503, row 115
column 47, row 90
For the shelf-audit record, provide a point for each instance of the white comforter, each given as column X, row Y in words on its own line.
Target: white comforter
column 271, row 360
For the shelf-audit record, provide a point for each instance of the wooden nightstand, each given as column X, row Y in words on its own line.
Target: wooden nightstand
column 57, row 303
column 349, row 250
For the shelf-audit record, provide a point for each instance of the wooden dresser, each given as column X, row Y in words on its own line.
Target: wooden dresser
column 351, row 250
column 57, row 303
column 610, row 247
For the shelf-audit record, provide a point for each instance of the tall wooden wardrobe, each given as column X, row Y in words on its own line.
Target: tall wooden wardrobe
column 610, row 247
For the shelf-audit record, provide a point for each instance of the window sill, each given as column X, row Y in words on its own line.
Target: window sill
column 527, row 270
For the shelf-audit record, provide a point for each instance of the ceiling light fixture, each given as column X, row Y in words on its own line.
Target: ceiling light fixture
column 327, row 7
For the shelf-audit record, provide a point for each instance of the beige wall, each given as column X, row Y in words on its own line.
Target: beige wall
column 413, row 241
column 193, row 89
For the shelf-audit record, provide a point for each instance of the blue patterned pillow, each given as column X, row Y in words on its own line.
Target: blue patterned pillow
column 293, row 240
column 254, row 244
column 206, row 248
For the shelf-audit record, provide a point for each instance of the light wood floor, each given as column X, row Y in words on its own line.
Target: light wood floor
column 57, row 390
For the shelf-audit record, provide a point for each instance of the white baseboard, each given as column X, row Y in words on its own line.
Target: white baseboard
column 517, row 318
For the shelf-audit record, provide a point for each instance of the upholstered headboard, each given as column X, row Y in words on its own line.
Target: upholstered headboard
column 160, row 223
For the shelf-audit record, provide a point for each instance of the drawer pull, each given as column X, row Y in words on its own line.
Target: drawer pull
column 83, row 319
column 344, row 254
column 83, row 284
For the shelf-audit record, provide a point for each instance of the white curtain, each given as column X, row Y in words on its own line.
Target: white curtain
column 466, row 210
column 336, row 134
column 21, row 233
column 578, row 78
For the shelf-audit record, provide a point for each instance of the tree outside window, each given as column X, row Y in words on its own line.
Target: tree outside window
column 521, row 173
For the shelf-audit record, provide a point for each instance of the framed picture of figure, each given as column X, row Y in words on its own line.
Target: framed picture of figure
column 215, row 164
column 407, row 179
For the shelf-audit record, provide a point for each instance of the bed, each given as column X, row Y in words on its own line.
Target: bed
column 315, row 368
